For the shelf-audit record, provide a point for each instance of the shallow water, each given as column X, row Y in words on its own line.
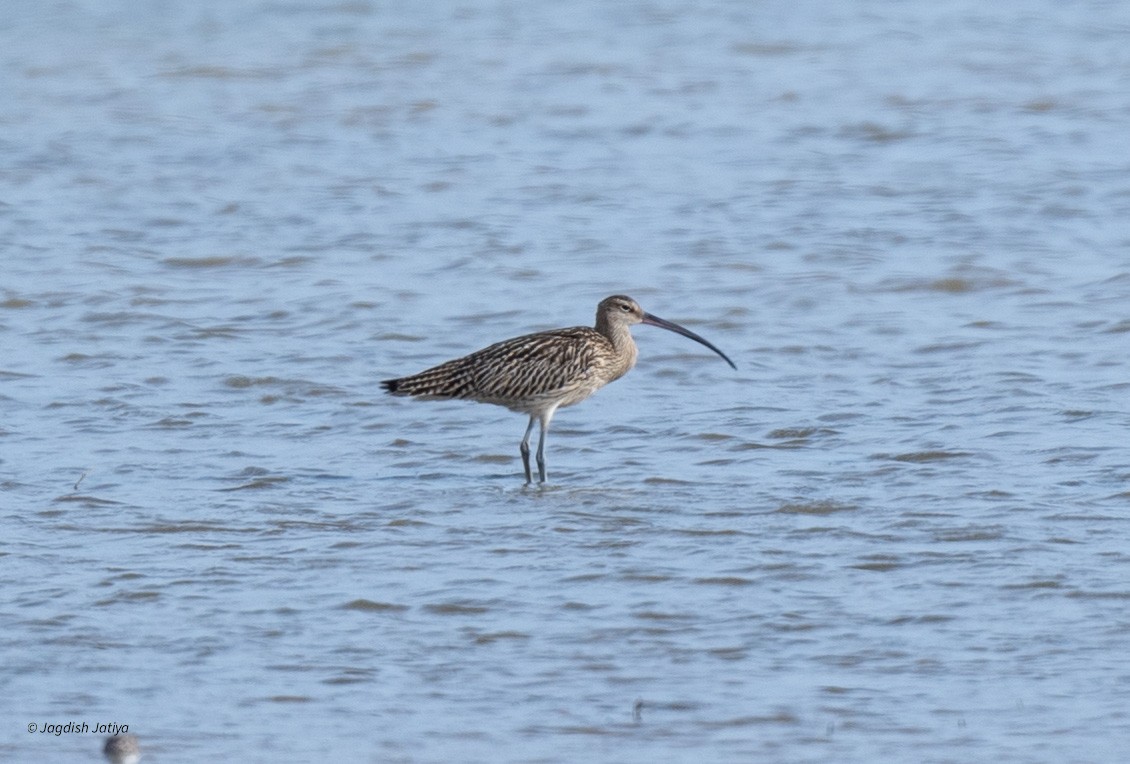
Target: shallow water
column 897, row 532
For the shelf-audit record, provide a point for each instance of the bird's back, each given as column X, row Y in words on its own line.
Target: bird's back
column 524, row 373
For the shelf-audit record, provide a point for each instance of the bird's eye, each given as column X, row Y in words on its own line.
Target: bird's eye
column 625, row 307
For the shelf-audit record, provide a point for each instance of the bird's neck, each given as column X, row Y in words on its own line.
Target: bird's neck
column 621, row 338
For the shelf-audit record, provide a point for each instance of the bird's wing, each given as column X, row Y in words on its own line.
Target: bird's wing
column 536, row 364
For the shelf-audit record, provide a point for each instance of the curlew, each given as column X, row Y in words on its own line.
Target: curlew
column 122, row 749
column 536, row 374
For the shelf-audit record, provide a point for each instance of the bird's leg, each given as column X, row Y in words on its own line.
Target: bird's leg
column 545, row 417
column 541, row 450
column 525, row 449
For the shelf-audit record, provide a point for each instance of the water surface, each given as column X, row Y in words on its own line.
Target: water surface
column 896, row 533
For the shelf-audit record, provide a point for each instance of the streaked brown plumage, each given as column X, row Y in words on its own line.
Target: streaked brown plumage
column 537, row 374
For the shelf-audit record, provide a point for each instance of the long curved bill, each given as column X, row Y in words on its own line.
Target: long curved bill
column 673, row 327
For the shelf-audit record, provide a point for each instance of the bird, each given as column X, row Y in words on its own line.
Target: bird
column 122, row 749
column 536, row 374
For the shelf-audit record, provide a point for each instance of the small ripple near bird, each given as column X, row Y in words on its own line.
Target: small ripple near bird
column 537, row 374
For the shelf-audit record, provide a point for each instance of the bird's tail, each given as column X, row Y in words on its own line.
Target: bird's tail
column 448, row 380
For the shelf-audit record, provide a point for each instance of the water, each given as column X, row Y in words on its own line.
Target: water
column 897, row 533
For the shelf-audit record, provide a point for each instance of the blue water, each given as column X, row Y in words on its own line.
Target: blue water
column 896, row 533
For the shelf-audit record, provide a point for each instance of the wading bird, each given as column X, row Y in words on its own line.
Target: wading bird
column 537, row 374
